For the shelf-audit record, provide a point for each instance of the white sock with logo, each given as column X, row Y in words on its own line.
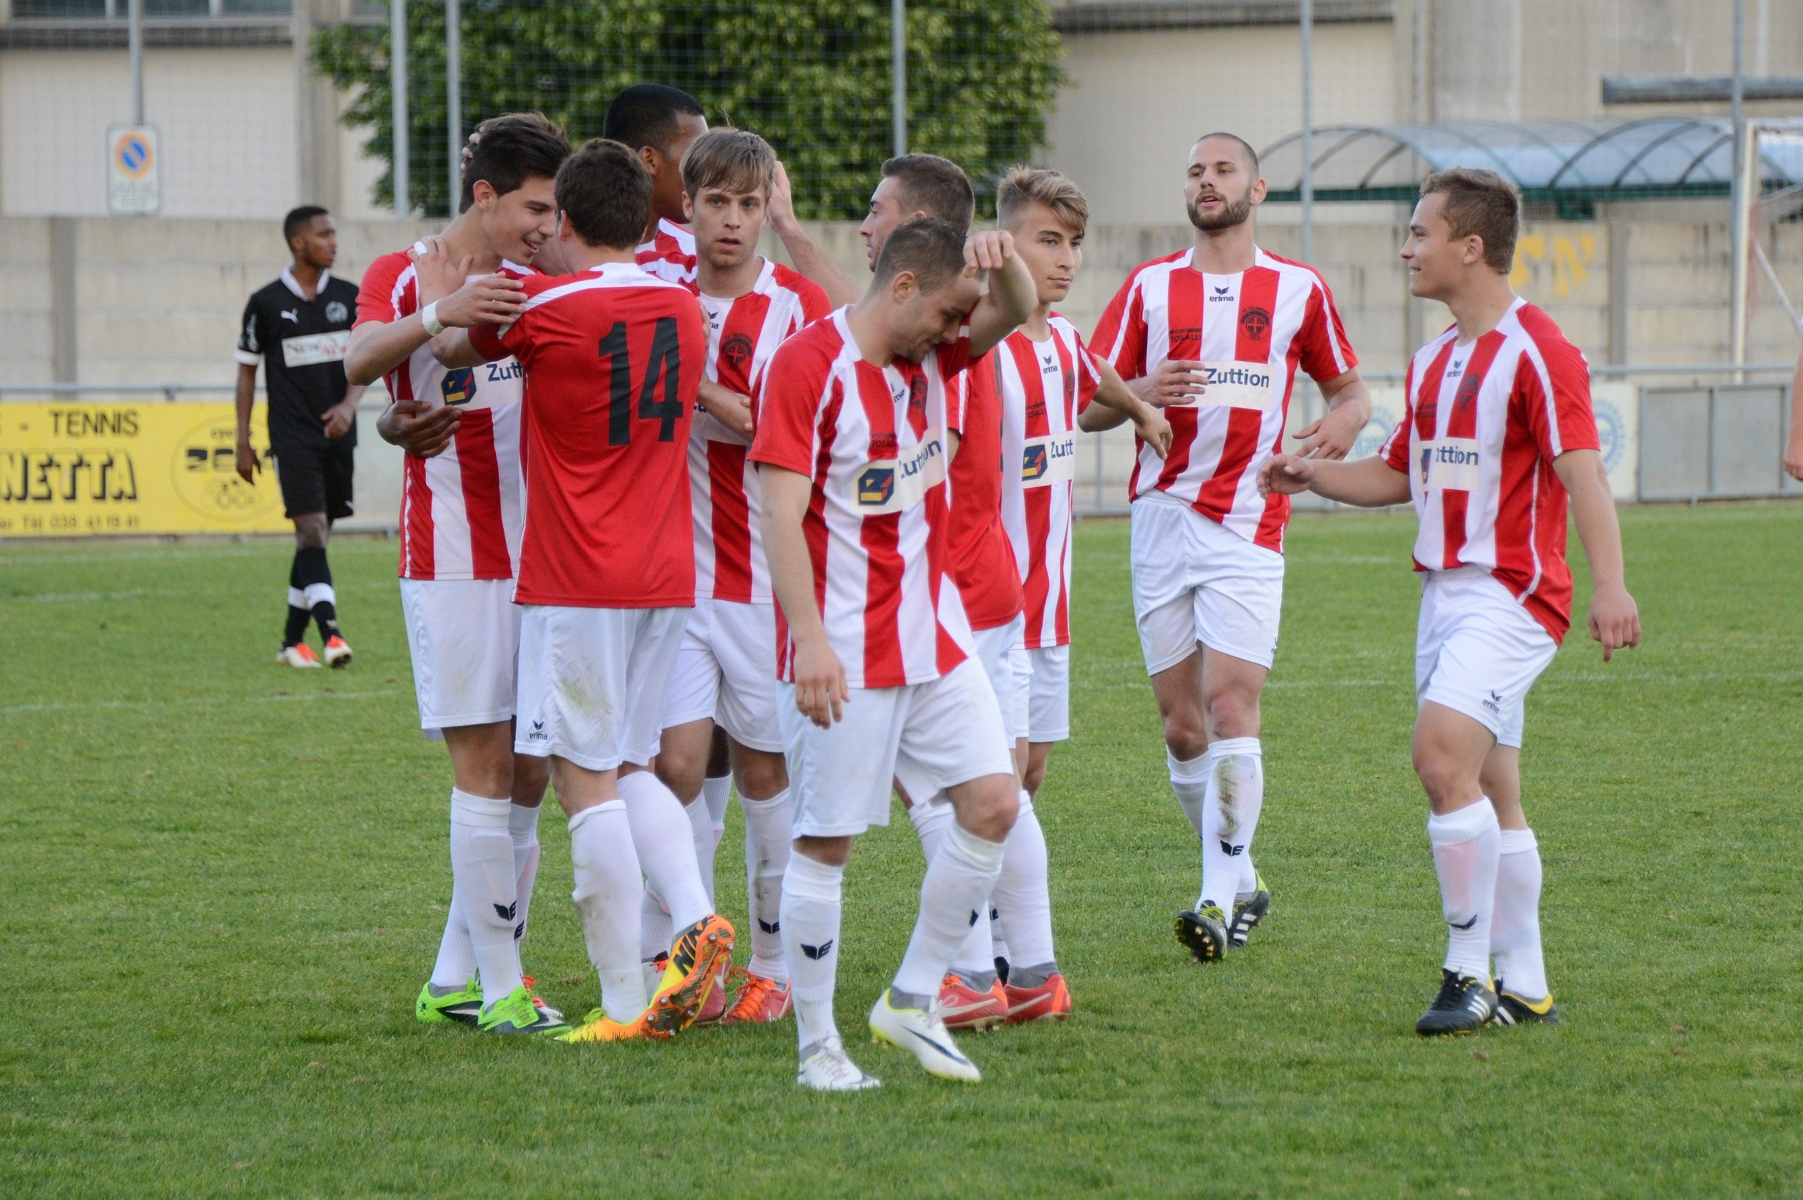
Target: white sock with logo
column 522, row 826
column 1466, row 843
column 1515, row 928
column 768, row 833
column 958, row 882
column 1189, row 780
column 456, row 962
column 701, row 832
column 1234, row 798
column 483, row 883
column 716, row 792
column 606, row 868
column 810, row 932
column 665, row 842
column 1022, row 897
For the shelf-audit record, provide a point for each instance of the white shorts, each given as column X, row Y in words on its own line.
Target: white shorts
column 464, row 635
column 592, row 682
column 1004, row 660
column 1194, row 581
column 941, row 733
column 1049, row 694
column 1478, row 651
column 726, row 672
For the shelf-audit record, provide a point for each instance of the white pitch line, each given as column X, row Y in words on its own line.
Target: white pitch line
column 301, row 699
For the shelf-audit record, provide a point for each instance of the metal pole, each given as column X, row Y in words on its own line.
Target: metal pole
column 1737, row 193
column 134, row 15
column 1308, row 131
column 453, row 96
column 898, row 67
column 397, row 83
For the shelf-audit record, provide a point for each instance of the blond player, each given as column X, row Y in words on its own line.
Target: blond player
column 1216, row 334
column 1496, row 442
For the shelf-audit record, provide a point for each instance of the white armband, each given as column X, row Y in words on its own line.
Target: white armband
column 429, row 317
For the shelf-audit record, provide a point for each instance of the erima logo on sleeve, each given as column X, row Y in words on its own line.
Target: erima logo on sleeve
column 459, row 386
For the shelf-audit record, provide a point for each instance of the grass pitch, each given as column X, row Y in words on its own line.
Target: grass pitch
column 225, row 881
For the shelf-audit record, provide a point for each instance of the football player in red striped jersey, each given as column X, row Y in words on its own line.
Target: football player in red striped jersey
column 1216, row 334
column 1497, row 441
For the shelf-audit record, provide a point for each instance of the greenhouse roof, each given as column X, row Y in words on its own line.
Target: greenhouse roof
column 1561, row 161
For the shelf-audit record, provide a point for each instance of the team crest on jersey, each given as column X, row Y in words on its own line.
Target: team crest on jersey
column 459, row 386
column 738, row 350
column 876, row 485
column 917, row 393
column 336, row 311
column 1256, row 323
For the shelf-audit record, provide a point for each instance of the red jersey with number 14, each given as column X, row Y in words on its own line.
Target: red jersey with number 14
column 872, row 439
column 1251, row 330
column 1483, row 425
column 613, row 362
column 742, row 335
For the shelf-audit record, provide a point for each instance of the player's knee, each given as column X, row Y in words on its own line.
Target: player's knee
column 680, row 776
column 1442, row 776
column 762, row 776
column 1232, row 714
column 990, row 808
column 310, row 531
column 1185, row 735
column 530, row 778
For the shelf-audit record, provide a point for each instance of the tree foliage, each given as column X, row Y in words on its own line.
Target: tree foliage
column 811, row 76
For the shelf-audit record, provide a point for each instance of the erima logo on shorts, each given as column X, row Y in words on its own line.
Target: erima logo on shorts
column 459, row 386
column 1494, row 703
column 1452, row 464
column 537, row 733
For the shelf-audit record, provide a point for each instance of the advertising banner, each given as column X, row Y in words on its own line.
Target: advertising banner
column 74, row 469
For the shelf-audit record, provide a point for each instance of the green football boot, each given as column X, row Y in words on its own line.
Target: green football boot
column 1204, row 931
column 517, row 1014
column 460, row 1004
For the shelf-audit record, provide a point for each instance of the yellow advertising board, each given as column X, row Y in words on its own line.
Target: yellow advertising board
column 73, row 469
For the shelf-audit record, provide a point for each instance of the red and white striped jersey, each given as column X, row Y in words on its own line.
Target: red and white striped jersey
column 1043, row 385
column 462, row 510
column 723, row 486
column 670, row 254
column 872, row 439
column 1483, row 424
column 981, row 558
column 1253, row 330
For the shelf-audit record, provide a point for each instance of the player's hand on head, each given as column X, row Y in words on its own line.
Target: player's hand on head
column 988, row 250
column 1614, row 619
column 484, row 300
column 469, row 147
column 1173, row 381
column 1332, row 437
column 1286, row 475
column 438, row 275
column 782, row 197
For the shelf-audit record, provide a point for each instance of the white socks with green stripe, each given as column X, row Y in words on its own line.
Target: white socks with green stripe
column 1515, row 927
column 607, row 894
column 1231, row 805
column 484, row 887
column 1466, row 843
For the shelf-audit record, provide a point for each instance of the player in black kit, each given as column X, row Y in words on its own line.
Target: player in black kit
column 302, row 323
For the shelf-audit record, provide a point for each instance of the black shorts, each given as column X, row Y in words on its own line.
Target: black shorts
column 316, row 479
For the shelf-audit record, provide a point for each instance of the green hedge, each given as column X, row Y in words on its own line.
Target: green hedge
column 812, row 77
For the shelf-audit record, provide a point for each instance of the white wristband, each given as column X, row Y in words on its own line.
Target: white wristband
column 429, row 318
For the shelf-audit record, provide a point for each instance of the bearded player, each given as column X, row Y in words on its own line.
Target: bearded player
column 1215, row 334
column 875, row 651
column 725, row 674
column 461, row 516
column 1497, row 441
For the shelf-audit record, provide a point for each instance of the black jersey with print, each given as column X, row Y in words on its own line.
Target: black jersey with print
column 303, row 342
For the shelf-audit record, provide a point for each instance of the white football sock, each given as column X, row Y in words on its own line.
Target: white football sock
column 976, row 953
column 701, row 832
column 606, row 868
column 655, row 930
column 768, row 830
column 522, row 824
column 666, row 847
column 1189, row 780
column 1021, row 895
column 1515, row 928
column 715, row 793
column 957, row 883
column 1248, row 878
column 483, row 884
column 1465, row 851
column 456, row 962
column 1230, row 808
column 810, row 934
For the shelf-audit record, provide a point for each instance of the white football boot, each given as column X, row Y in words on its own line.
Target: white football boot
column 828, row 1069
column 298, row 655
column 923, row 1034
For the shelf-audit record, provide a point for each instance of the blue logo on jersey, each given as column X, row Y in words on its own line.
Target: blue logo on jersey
column 876, row 485
column 459, row 386
column 1034, row 462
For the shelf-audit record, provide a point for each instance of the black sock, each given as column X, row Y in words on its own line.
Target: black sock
column 327, row 615
column 296, row 632
column 311, row 571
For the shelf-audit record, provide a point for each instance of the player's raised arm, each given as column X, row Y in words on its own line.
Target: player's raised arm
column 448, row 299
column 804, row 252
column 820, row 687
column 1012, row 294
column 1614, row 618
